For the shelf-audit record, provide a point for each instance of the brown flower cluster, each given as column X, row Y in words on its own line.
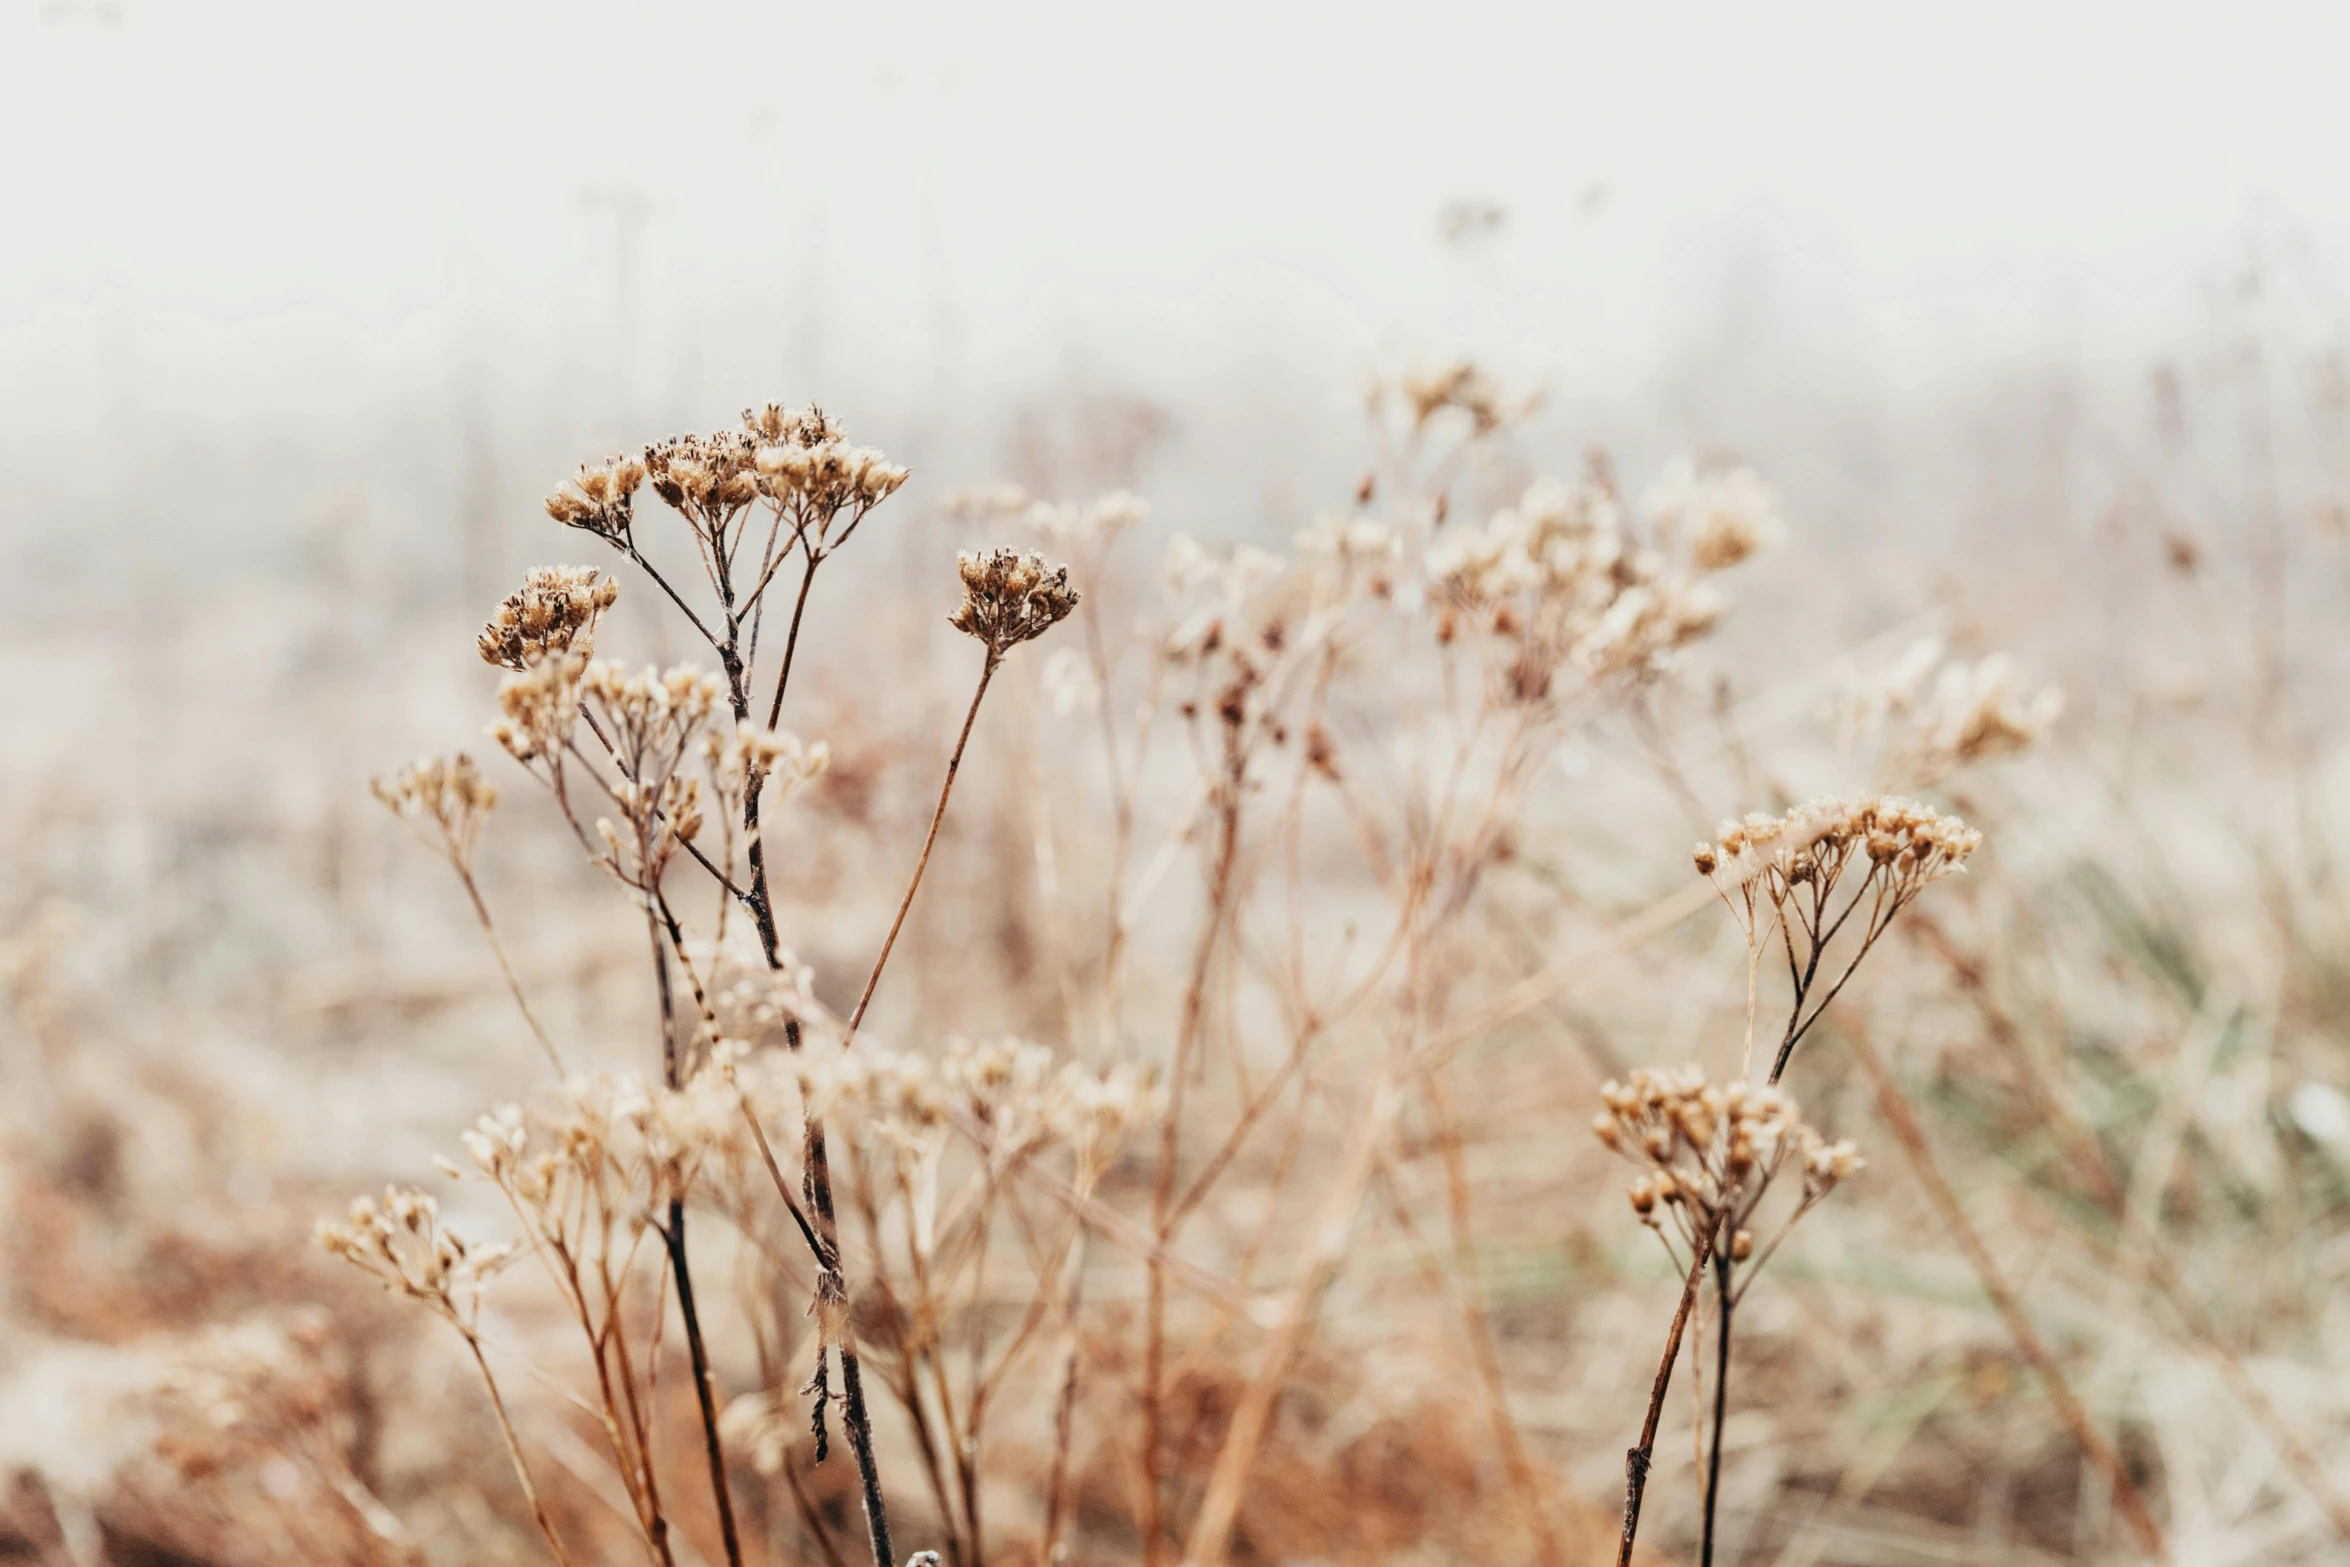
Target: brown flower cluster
column 1712, row 1154
column 402, row 1243
column 538, row 709
column 444, row 799
column 1430, row 390
column 555, row 609
column 601, row 498
column 708, row 479
column 1801, row 856
column 813, row 476
column 1563, row 576
column 1010, row 598
column 651, row 722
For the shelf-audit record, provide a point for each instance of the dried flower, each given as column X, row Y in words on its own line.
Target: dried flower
column 1010, row 598
column 814, row 477
column 555, row 608
column 444, row 799
column 601, row 499
column 539, row 708
column 405, row 1246
column 1722, row 516
column 1710, row 1154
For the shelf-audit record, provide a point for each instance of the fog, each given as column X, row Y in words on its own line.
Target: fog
column 260, row 252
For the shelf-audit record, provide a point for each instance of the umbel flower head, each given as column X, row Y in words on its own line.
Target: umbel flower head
column 444, row 799
column 1711, row 1154
column 556, row 607
column 1010, row 598
column 1829, row 868
column 601, row 499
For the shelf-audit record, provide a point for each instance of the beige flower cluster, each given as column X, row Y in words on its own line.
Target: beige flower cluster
column 1711, row 1154
column 444, row 799
column 601, row 498
column 1010, row 598
column 554, row 610
column 1564, row 577
column 1905, row 846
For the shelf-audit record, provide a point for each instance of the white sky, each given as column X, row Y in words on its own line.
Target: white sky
column 244, row 210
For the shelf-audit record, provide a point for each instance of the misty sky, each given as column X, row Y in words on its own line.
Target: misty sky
column 241, row 211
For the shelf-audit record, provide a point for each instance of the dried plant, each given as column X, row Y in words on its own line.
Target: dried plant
column 1803, row 876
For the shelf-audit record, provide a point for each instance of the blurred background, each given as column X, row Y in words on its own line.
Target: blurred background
column 2034, row 317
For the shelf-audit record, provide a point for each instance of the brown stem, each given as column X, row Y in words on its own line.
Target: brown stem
column 674, row 1235
column 817, row 1181
column 538, row 1509
column 1480, row 1326
column 1894, row 1106
column 1637, row 1459
column 481, row 912
column 938, row 816
column 1154, row 1390
column 761, row 900
column 1713, row 1462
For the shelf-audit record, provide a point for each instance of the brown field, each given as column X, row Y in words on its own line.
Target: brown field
column 991, row 999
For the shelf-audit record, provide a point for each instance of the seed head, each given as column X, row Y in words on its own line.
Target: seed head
column 1010, row 598
column 444, row 798
column 602, row 498
column 555, row 607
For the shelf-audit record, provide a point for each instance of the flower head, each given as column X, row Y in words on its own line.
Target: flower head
column 1010, row 598
column 555, row 607
column 601, row 499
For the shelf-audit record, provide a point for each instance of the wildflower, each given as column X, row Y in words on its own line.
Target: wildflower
column 403, row 1244
column 1097, row 524
column 555, row 607
column 601, row 499
column 1456, row 385
column 539, row 707
column 1010, row 598
column 1977, row 714
column 709, row 479
column 446, row 794
column 813, row 476
column 1723, row 516
column 1795, row 872
column 1709, row 1156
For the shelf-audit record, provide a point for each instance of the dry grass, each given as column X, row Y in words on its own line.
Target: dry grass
column 1130, row 1098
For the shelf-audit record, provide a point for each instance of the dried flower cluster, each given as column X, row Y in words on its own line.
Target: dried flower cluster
column 1793, row 862
column 403, row 1244
column 601, row 498
column 444, row 799
column 1561, row 576
column 1712, row 1154
column 554, row 610
column 1457, row 385
column 1092, row 527
column 1721, row 516
column 1932, row 715
column 1010, row 598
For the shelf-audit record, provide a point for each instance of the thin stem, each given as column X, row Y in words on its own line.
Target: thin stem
column 674, row 1235
column 906, row 904
column 1637, row 1459
column 817, row 1180
column 1713, row 1462
column 481, row 912
column 759, row 898
column 662, row 583
column 538, row 1509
